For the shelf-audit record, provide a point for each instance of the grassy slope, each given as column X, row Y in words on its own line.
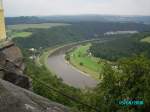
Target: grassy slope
column 147, row 39
column 90, row 65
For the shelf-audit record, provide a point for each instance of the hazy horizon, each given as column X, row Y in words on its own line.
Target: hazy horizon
column 80, row 15
column 79, row 7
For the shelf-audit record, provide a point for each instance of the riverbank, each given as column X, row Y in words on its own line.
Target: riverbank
column 54, row 60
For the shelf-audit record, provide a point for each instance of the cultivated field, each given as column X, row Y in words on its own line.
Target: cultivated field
column 34, row 26
column 147, row 39
column 21, row 34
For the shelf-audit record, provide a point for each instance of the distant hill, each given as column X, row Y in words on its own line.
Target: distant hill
column 77, row 18
column 23, row 20
column 100, row 18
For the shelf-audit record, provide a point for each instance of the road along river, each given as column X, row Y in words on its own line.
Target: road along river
column 70, row 75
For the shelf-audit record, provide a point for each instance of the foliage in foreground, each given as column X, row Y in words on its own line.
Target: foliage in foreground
column 131, row 82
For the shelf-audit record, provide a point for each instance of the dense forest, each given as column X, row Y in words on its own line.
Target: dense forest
column 123, row 47
column 75, row 32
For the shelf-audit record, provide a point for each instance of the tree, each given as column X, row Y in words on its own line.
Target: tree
column 131, row 81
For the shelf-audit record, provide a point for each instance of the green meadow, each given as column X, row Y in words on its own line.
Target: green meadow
column 82, row 59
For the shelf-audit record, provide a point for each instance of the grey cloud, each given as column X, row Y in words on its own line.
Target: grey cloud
column 67, row 7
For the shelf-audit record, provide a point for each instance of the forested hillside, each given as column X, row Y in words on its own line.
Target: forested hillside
column 123, row 47
column 75, row 32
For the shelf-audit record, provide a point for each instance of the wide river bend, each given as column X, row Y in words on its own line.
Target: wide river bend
column 70, row 75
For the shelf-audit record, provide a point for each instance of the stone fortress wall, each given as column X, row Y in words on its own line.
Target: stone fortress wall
column 2, row 23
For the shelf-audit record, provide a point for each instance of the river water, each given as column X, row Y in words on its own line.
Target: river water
column 69, row 74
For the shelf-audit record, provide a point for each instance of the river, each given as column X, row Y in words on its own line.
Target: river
column 69, row 74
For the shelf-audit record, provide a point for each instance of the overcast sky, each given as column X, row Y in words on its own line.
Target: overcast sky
column 75, row 7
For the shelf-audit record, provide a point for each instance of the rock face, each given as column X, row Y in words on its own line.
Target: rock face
column 16, row 99
column 12, row 66
column 13, row 98
column 10, row 53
